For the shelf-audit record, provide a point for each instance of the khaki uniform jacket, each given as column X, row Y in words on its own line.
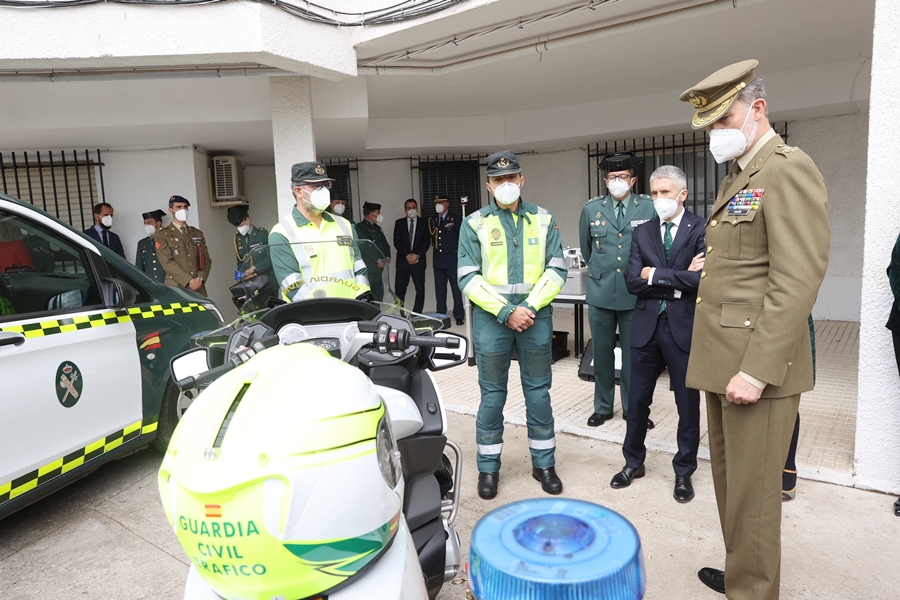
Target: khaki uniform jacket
column 762, row 274
column 183, row 255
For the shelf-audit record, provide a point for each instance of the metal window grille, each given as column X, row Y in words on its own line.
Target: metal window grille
column 342, row 187
column 62, row 183
column 687, row 151
column 452, row 177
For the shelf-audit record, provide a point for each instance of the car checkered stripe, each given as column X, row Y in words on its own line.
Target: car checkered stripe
column 53, row 326
column 15, row 488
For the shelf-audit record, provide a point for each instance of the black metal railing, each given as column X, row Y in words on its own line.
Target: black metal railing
column 62, row 183
column 454, row 177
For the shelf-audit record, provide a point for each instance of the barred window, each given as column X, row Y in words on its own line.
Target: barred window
column 452, row 179
column 342, row 189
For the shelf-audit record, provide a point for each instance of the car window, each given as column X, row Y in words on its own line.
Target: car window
column 41, row 271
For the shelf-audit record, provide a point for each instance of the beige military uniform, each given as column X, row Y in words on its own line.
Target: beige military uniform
column 183, row 254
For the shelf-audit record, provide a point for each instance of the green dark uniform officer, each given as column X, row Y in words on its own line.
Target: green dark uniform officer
column 604, row 233
column 146, row 259
column 510, row 265
column 250, row 262
column 182, row 250
column 377, row 254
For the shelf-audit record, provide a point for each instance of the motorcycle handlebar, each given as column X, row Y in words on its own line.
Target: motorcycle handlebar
column 205, row 378
column 433, row 342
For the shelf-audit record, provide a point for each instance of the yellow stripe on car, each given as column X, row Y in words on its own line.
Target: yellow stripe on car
column 54, row 326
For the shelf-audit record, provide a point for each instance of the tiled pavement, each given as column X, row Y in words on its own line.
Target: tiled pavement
column 827, row 414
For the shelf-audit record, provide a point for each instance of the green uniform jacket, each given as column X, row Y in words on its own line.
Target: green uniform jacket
column 606, row 248
column 367, row 230
column 766, row 257
column 147, row 261
column 184, row 255
column 244, row 244
column 470, row 255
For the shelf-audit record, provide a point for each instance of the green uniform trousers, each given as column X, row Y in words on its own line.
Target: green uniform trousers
column 603, row 331
column 748, row 444
column 494, row 343
column 376, row 282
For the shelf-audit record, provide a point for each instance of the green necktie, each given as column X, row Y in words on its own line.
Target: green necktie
column 620, row 212
column 410, row 233
column 667, row 244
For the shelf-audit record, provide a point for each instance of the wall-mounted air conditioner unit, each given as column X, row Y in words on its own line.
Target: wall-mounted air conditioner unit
column 227, row 185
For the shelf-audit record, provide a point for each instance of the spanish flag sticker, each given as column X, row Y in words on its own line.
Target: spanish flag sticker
column 213, row 511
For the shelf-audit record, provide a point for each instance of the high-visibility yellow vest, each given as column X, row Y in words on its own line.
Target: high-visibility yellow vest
column 329, row 265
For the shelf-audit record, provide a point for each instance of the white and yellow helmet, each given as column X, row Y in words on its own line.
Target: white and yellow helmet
column 283, row 478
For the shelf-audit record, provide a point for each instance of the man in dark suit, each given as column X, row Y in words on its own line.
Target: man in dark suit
column 411, row 241
column 444, row 232
column 103, row 218
column 667, row 255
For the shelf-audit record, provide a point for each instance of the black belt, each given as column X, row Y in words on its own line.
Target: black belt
column 664, row 314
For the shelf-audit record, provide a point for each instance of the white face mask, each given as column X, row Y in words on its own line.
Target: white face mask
column 338, row 209
column 667, row 208
column 379, row 219
column 320, row 199
column 726, row 144
column 243, row 229
column 439, row 208
column 181, row 215
column 618, row 188
column 150, row 229
column 107, row 221
column 506, row 193
column 412, row 213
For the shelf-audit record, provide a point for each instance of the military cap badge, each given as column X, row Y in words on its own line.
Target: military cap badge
column 503, row 162
column 320, row 170
column 698, row 100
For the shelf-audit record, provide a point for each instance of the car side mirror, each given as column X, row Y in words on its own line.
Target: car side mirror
column 117, row 293
column 444, row 358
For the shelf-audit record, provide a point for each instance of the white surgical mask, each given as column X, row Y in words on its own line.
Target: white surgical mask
column 506, row 193
column 243, row 229
column 439, row 208
column 618, row 188
column 726, row 144
column 412, row 213
column 338, row 209
column 666, row 208
column 379, row 219
column 320, row 199
column 181, row 215
column 150, row 229
column 107, row 221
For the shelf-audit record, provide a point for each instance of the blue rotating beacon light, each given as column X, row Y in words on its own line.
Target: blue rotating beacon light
column 555, row 549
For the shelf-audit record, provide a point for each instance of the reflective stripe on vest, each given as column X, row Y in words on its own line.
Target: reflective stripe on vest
column 495, row 250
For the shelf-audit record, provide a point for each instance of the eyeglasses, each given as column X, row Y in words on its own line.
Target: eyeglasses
column 316, row 186
column 624, row 178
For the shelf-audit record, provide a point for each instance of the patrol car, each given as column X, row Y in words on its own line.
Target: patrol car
column 85, row 344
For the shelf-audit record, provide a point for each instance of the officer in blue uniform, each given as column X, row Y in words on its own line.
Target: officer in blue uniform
column 444, row 231
column 604, row 233
column 146, row 259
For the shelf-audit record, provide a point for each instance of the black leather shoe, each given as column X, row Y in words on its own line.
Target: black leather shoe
column 713, row 578
column 650, row 424
column 460, row 322
column 487, row 485
column 597, row 419
column 550, row 481
column 623, row 478
column 684, row 489
column 897, row 507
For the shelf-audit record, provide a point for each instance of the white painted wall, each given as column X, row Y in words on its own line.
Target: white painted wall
column 878, row 413
column 838, row 145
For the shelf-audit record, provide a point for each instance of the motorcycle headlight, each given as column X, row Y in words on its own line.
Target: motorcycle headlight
column 388, row 456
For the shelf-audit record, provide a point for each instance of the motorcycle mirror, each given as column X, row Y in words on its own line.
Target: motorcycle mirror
column 444, row 358
column 190, row 363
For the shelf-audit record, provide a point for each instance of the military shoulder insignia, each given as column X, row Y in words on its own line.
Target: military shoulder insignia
column 344, row 240
column 637, row 222
column 787, row 149
column 158, row 245
column 745, row 201
column 68, row 384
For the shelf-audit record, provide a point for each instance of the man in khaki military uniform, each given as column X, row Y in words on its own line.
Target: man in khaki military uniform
column 182, row 250
column 767, row 250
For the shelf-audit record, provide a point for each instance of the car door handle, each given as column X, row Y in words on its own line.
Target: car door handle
column 11, row 337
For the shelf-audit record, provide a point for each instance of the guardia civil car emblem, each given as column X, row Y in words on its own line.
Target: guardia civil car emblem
column 69, row 384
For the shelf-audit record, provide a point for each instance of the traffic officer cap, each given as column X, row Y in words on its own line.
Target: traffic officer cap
column 175, row 199
column 502, row 163
column 309, row 172
column 371, row 206
column 154, row 214
column 713, row 96
column 619, row 161
column 237, row 214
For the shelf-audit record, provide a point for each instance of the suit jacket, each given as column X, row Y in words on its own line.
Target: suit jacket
column 671, row 274
column 115, row 244
column 768, row 240
column 444, row 236
column 417, row 246
column 605, row 247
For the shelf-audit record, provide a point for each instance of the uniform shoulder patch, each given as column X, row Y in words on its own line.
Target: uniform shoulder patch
column 158, row 245
column 787, row 149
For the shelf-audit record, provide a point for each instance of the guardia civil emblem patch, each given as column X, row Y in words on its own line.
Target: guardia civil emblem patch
column 495, row 234
column 68, row 384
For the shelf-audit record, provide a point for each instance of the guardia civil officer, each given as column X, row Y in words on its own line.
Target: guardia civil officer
column 182, row 249
column 250, row 262
column 376, row 254
column 511, row 267
column 604, row 233
column 767, row 250
column 146, row 259
column 444, row 231
column 315, row 253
